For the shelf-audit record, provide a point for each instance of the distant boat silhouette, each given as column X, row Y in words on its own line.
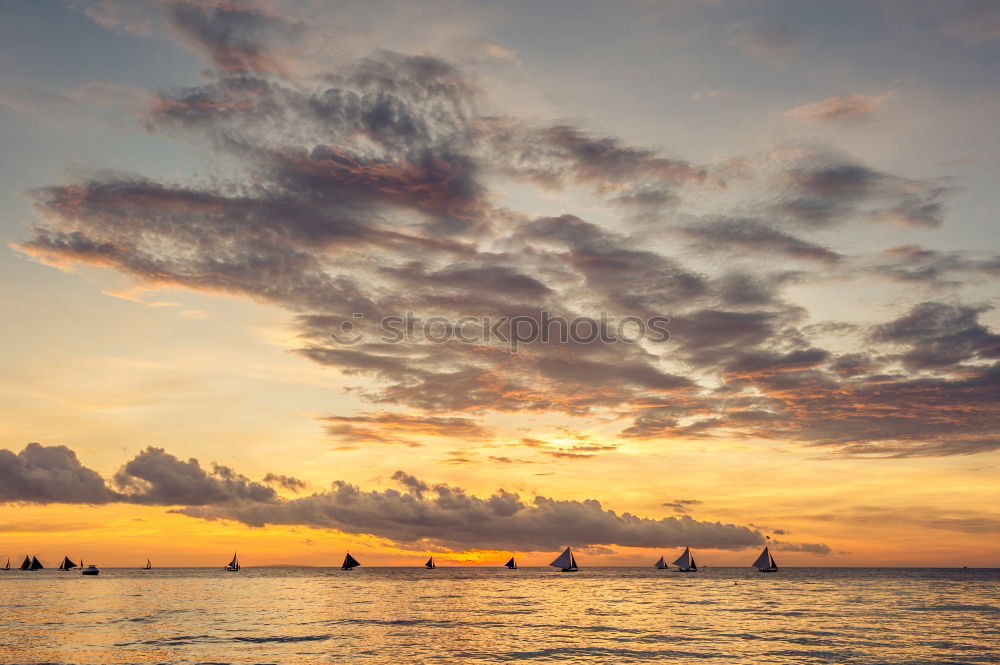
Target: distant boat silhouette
column 7, row 567
column 234, row 565
column 765, row 562
column 685, row 562
column 90, row 570
column 26, row 564
column 511, row 564
column 430, row 563
column 34, row 564
column 350, row 563
column 67, row 564
column 148, row 566
column 566, row 562
column 660, row 564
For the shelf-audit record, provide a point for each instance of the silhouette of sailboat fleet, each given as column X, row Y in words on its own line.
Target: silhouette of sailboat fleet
column 565, row 562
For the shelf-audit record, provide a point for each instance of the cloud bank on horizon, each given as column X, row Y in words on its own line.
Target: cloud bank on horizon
column 417, row 514
column 374, row 186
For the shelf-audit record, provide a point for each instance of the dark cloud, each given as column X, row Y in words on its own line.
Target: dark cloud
column 825, row 190
column 370, row 188
column 398, row 428
column 156, row 477
column 420, row 513
column 936, row 268
column 289, row 483
column 50, row 474
column 812, row 548
column 739, row 235
column 682, row 505
column 234, row 35
column 442, row 515
column 940, row 336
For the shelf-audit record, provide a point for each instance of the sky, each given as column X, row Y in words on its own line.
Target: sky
column 274, row 277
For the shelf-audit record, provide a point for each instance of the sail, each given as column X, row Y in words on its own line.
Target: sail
column 773, row 564
column 350, row 562
column 660, row 563
column 572, row 561
column 36, row 564
column 26, row 564
column 66, row 564
column 7, row 567
column 511, row 564
column 148, row 566
column 686, row 560
column 764, row 560
column 430, row 563
column 564, row 560
column 234, row 563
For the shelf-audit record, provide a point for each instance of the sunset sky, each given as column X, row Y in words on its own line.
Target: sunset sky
column 195, row 196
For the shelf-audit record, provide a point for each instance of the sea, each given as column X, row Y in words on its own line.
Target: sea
column 493, row 615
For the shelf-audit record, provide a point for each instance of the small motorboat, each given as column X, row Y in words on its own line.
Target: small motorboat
column 90, row 570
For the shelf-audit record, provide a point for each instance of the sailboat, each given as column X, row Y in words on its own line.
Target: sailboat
column 566, row 562
column 430, row 563
column 660, row 564
column 350, row 563
column 7, row 567
column 35, row 564
column 67, row 564
column 234, row 565
column 765, row 562
column 148, row 566
column 26, row 564
column 512, row 565
column 685, row 562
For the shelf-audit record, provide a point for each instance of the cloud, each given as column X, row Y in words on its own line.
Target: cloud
column 375, row 186
column 934, row 268
column 156, row 477
column 289, row 483
column 840, row 108
column 398, row 428
column 824, row 191
column 50, row 474
column 447, row 516
column 419, row 513
column 682, row 505
column 234, row 35
column 738, row 235
column 940, row 336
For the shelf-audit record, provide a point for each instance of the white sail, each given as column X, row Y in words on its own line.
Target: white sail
column 564, row 560
column 764, row 560
column 684, row 560
column 660, row 563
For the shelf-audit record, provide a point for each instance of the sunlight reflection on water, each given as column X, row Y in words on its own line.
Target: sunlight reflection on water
column 599, row 615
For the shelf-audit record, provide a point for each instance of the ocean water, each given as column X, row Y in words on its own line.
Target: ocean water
column 475, row 615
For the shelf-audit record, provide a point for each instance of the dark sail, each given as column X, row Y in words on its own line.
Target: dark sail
column 36, row 564
column 66, row 564
column 430, row 563
column 350, row 562
column 511, row 564
column 26, row 564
